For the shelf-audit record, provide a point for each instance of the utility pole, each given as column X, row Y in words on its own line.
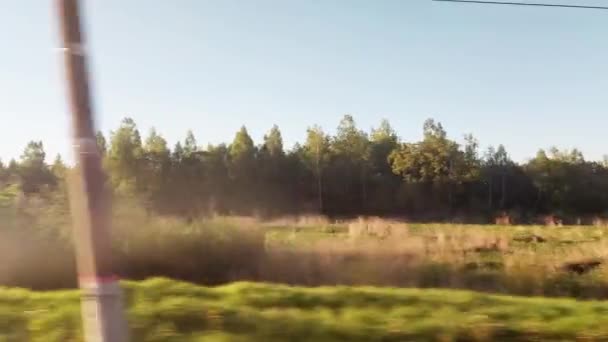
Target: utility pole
column 102, row 311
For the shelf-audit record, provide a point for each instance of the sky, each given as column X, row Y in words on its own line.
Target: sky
column 525, row 77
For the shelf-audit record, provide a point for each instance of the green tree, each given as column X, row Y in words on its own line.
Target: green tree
column 496, row 169
column 471, row 155
column 349, row 141
column 33, row 155
column 272, row 178
column 383, row 141
column 33, row 171
column 58, row 168
column 242, row 148
column 566, row 183
column 273, row 142
column 504, row 162
column 190, row 144
column 539, row 169
column 351, row 151
column 178, row 153
column 156, row 164
column 384, row 184
column 316, row 156
column 125, row 155
column 217, row 181
column 242, row 169
column 436, row 162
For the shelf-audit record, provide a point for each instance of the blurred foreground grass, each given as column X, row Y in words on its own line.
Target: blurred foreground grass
column 167, row 310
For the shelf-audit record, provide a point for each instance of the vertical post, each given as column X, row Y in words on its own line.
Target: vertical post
column 102, row 310
column 319, row 181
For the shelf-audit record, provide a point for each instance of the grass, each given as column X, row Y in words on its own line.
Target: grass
column 36, row 252
column 524, row 260
column 165, row 310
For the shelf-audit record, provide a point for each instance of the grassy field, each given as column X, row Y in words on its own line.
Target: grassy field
column 36, row 250
column 525, row 260
column 166, row 310
column 343, row 257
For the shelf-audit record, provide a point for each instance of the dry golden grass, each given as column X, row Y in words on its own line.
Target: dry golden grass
column 298, row 221
column 516, row 259
column 312, row 250
column 377, row 227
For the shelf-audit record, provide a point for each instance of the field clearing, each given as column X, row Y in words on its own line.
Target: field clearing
column 524, row 260
column 166, row 310
column 314, row 251
column 366, row 279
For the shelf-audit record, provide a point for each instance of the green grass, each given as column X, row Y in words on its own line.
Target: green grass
column 166, row 310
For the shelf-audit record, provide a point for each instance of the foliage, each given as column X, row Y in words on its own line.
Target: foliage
column 350, row 173
column 33, row 172
column 125, row 155
column 316, row 156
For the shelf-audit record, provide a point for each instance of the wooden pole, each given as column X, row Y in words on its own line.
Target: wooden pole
column 102, row 310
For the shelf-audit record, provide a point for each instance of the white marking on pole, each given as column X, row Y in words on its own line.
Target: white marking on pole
column 74, row 49
column 86, row 146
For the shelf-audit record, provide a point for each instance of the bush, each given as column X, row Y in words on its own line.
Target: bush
column 37, row 251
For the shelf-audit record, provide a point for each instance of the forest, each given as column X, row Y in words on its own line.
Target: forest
column 352, row 173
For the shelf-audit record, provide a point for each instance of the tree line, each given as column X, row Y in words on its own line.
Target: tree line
column 353, row 172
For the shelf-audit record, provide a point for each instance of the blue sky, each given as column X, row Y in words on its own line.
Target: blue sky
column 524, row 77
